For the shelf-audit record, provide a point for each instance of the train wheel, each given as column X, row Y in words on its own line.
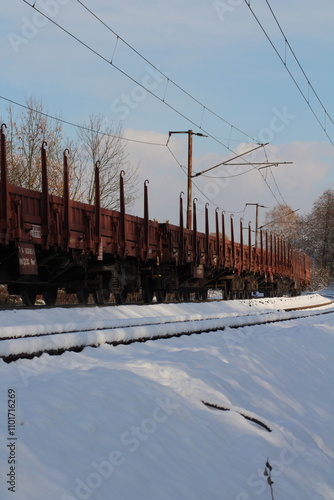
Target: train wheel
column 83, row 296
column 28, row 295
column 204, row 294
column 177, row 295
column 50, row 296
column 101, row 296
column 120, row 298
column 186, row 295
column 161, row 296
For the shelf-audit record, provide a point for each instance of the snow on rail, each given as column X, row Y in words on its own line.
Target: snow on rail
column 96, row 326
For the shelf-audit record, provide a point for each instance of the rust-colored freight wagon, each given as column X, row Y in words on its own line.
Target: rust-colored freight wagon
column 49, row 242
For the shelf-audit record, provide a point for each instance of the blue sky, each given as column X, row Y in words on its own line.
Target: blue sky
column 214, row 50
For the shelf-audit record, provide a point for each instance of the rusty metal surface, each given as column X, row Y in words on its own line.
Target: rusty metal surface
column 31, row 221
column 4, row 205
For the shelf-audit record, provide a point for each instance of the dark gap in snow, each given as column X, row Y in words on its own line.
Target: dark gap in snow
column 52, row 352
column 252, row 419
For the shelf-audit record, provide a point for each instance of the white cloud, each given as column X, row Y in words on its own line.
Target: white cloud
column 299, row 184
column 227, row 62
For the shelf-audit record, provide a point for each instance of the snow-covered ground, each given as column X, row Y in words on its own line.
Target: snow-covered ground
column 129, row 423
column 71, row 328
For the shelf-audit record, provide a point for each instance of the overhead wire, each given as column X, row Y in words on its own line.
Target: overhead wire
column 110, row 62
column 269, row 187
column 299, row 64
column 184, row 170
column 278, row 189
column 282, row 217
column 284, row 62
column 215, row 204
column 265, row 179
column 168, row 80
column 228, row 176
column 82, row 127
column 173, row 155
column 47, row 115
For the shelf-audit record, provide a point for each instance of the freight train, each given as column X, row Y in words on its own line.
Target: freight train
column 49, row 242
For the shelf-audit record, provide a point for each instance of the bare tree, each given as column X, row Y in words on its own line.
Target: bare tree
column 319, row 234
column 97, row 141
column 101, row 142
column 26, row 133
column 76, row 170
column 284, row 222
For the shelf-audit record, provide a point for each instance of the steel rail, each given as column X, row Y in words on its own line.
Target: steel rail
column 198, row 326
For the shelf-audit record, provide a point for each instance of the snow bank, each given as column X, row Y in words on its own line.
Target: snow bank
column 17, row 323
column 153, row 326
column 128, row 422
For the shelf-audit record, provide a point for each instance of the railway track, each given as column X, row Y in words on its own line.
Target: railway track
column 127, row 331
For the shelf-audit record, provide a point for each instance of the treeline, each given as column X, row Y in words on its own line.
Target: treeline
column 313, row 233
column 97, row 140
